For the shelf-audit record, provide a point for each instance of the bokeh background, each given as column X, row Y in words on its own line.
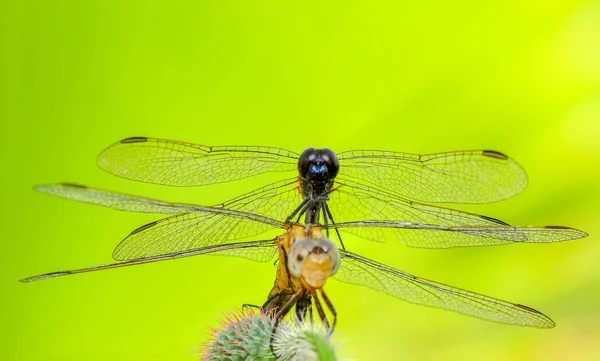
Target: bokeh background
column 521, row 77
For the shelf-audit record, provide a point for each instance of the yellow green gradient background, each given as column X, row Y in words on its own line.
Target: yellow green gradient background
column 521, row 77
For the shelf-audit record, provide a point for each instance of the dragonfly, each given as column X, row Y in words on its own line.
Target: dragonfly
column 306, row 257
column 325, row 187
column 369, row 185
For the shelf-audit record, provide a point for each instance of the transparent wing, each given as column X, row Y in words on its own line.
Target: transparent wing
column 349, row 202
column 119, row 201
column 365, row 272
column 262, row 251
column 275, row 201
column 434, row 236
column 353, row 202
column 380, row 216
column 182, row 164
column 193, row 228
column 188, row 231
column 479, row 176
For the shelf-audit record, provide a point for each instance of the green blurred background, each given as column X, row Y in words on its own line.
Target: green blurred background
column 521, row 77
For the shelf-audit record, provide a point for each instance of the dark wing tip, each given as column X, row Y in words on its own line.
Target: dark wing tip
column 527, row 308
column 578, row 233
column 557, row 227
column 549, row 323
column 145, row 226
column 135, row 140
column 74, row 185
column 495, row 220
column 49, row 188
column 494, row 154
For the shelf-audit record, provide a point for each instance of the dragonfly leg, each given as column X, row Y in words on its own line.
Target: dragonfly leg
column 275, row 300
column 303, row 212
column 331, row 309
column 250, row 306
column 328, row 211
column 321, row 312
column 281, row 314
column 301, row 208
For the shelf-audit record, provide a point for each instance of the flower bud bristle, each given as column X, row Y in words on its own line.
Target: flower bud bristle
column 246, row 335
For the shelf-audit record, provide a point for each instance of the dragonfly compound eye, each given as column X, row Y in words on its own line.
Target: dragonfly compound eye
column 297, row 256
column 333, row 252
column 331, row 161
column 307, row 158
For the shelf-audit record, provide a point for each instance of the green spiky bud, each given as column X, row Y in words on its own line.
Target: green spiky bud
column 247, row 336
column 304, row 342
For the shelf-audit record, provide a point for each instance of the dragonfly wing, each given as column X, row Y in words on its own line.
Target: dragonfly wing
column 277, row 200
column 262, row 251
column 479, row 176
column 188, row 231
column 119, row 201
column 183, row 164
column 195, row 226
column 359, row 270
column 351, row 202
column 436, row 236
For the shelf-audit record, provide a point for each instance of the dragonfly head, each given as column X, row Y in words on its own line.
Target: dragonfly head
column 314, row 260
column 318, row 164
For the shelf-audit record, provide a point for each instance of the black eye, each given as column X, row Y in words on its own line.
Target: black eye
column 332, row 162
column 299, row 258
column 305, row 160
